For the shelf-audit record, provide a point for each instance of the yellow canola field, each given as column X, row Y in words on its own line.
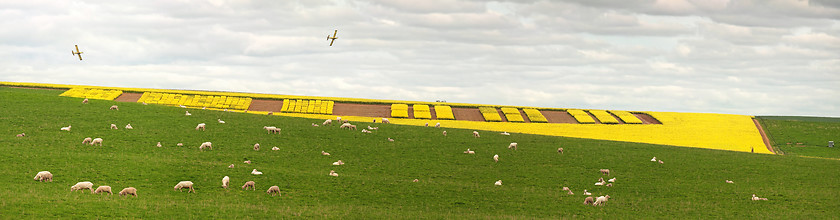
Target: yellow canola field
column 91, row 93
column 196, row 101
column 444, row 112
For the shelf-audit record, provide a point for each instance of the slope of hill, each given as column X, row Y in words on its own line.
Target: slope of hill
column 804, row 136
column 376, row 181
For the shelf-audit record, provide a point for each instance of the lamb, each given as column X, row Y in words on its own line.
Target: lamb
column 660, row 162
column 469, row 151
column 729, row 181
column 85, row 101
column 333, row 173
column 611, row 180
column 81, row 186
column 128, row 191
column 255, row 172
column 103, row 189
column 570, row 192
column 437, row 125
column 565, row 188
column 560, row 150
column 505, row 133
column 200, row 127
column 609, row 185
column 249, row 184
column 601, row 200
column 273, row 190
column 499, row 182
column 113, row 127
column 338, row 118
column 188, row 113
column 114, row 107
column 44, row 176
column 512, row 145
column 275, row 148
column 20, row 135
column 128, row 126
column 588, row 201
column 87, row 140
column 272, row 129
column 444, row 133
column 66, row 128
column 185, row 184
column 314, row 125
column 270, row 113
column 225, row 181
column 158, row 144
column 338, row 163
column 391, row 139
column 328, row 122
column 605, row 172
column 366, row 131
column 372, row 128
column 179, row 144
column 385, row 120
column 756, row 198
column 207, row 145
column 653, row 160
column 96, row 141
column 257, row 146
column 586, row 193
column 475, row 134
column 231, row 166
column 247, row 161
column 599, row 183
column 415, row 180
column 496, row 158
column 325, row 153
column 221, row 122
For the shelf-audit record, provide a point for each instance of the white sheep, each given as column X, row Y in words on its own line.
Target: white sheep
column 273, row 190
column 81, row 186
column 272, row 129
column 512, row 145
column 348, row 126
column 85, row 101
column 390, row 139
column 588, row 201
column 475, row 134
column 333, row 173
column 496, row 158
column 756, row 198
column 505, row 133
column 207, row 145
column 611, row 180
column 605, row 172
column 565, row 188
column 325, row 153
column 386, row 121
column 128, row 126
column 653, row 160
column 44, row 176
column 444, row 133
column 560, row 150
column 599, row 183
column 247, row 161
column 158, row 144
column 103, row 189
column 275, row 148
column 20, row 135
column 113, row 127
column 188, row 113
column 367, row 131
column 328, row 122
column 257, row 146
column 255, row 172
column 250, row 184
column 225, row 181
column 87, row 140
column 499, row 182
column 570, row 192
column 200, row 126
column 220, row 121
column 586, row 193
column 128, row 191
column 729, row 181
column 468, row 151
column 338, row 163
column 96, row 141
column 314, row 125
column 231, row 166
column 179, row 144
column 114, row 107
column 415, row 180
column 660, row 161
column 437, row 125
column 185, row 184
column 66, row 128
column 609, row 184
column 601, row 200
column 338, row 118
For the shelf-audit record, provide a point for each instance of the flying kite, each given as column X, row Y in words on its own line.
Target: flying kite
column 332, row 38
column 77, row 52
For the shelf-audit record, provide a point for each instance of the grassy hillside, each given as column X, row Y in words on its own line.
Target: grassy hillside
column 803, row 136
column 375, row 182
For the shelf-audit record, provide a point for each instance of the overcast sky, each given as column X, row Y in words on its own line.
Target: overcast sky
column 753, row 57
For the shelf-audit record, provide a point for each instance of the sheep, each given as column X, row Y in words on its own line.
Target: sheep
column 475, row 134
column 427, row 124
column 200, row 126
column 653, row 160
column 113, row 127
column 250, row 184
column 182, row 106
column 188, row 113
column 729, row 181
column 255, row 172
column 275, row 148
column 44, row 176
column 314, row 125
column 273, row 190
column 85, row 101
column 601, row 179
column 257, row 146
column 444, row 133
column 390, row 139
column 207, row 145
column 220, row 121
column 20, row 135
column 756, row 198
column 96, row 141
column 496, row 158
column 338, row 163
column 179, row 144
column 570, row 192
column 611, row 180
column 499, row 182
column 565, row 188
column 605, row 172
column 325, row 153
column 184, row 184
column 231, row 166
column 87, row 140
column 365, row 131
column 609, row 185
column 586, row 193
column 386, row 121
column 247, row 161
column 81, row 186
column 505, row 133
column 270, row 113
column 372, row 128
column 560, row 150
column 512, row 145
column 128, row 191
column 225, row 181
column 333, row 173
column 338, row 118
column 144, row 103
column 660, row 162
column 601, row 200
column 345, row 121
column 588, row 201
column 468, row 151
column 415, row 180
column 103, row 189
column 66, row 128
column 272, row 129
column 128, row 126
column 599, row 183
column 437, row 125
column 158, row 144
column 114, row 107
column 327, row 122
column 348, row 126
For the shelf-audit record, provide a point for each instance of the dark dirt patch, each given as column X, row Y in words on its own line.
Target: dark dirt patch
column 129, row 97
column 467, row 114
column 647, row 119
column 266, row 105
column 558, row 117
column 366, row 110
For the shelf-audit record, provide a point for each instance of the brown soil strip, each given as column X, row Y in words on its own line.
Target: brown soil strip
column 524, row 116
column 558, row 117
column 616, row 118
column 366, row 110
column 763, row 136
column 266, row 105
column 467, row 114
column 129, row 97
column 501, row 114
column 597, row 121
column 647, row 119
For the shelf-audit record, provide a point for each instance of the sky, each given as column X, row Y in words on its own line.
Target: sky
column 750, row 57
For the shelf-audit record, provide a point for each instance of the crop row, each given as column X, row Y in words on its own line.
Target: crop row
column 91, row 93
column 581, row 116
column 604, row 116
column 489, row 114
column 308, row 106
column 422, row 112
column 534, row 115
column 399, row 111
column 512, row 115
column 627, row 117
column 444, row 112
column 196, row 101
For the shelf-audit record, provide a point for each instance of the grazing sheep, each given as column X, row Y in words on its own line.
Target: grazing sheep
column 180, row 144
column 415, row 180
column 505, row 133
column 314, row 125
column 114, row 107
column 653, row 160
column 207, row 145
column 270, row 113
column 81, row 186
column 601, row 179
column 96, row 141
column 560, row 150
column 499, row 182
column 391, row 139
column 225, row 181
column 103, row 189
column 345, row 121
column 385, row 120
column 586, row 193
column 468, row 151
column 437, row 125
column 44, row 176
column 273, row 190
column 496, row 158
column 128, row 191
column 565, row 188
column 475, row 134
column 158, row 144
column 427, row 124
column 275, row 148
column 128, row 126
column 247, row 161
column 333, row 173
column 328, row 122
column 512, row 145
column 113, row 127
column 185, row 184
column 231, row 166
column 200, row 126
column 325, row 153
column 570, row 192
column 188, row 113
column 85, row 101
column 660, row 162
column 601, row 200
column 372, row 128
column 87, row 140
column 250, row 184
column 729, row 181
column 345, row 125
column 605, row 172
column 365, row 131
column 255, row 172
column 588, row 201
column 20, row 135
column 338, row 118
column 756, row 198
column 338, row 163
column 66, row 128
column 609, row 185
column 220, row 121
column 257, row 146
column 599, row 183
column 272, row 129
column 444, row 133
column 611, row 180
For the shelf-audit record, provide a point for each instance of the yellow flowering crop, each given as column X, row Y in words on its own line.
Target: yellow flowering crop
column 444, row 112
column 512, row 114
column 307, row 106
column 534, row 115
column 490, row 114
column 604, row 116
column 399, row 111
column 581, row 116
column 627, row 117
column 90, row 93
column 422, row 111
column 196, row 101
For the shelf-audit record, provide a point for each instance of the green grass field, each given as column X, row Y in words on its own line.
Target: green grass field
column 813, row 133
column 376, row 181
